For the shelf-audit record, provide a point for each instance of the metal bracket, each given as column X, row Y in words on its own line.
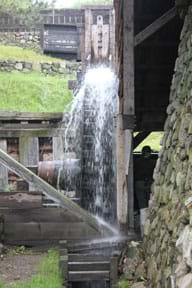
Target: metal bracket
column 129, row 122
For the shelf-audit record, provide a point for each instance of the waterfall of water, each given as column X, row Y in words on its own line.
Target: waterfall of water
column 90, row 134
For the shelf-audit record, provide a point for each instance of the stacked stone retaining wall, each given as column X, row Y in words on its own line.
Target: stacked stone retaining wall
column 50, row 68
column 30, row 40
column 167, row 265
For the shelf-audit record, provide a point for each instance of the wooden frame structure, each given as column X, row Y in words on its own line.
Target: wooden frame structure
column 137, row 33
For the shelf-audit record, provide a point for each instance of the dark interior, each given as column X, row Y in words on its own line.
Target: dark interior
column 154, row 64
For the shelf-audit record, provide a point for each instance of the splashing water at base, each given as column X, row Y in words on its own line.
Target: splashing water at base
column 90, row 134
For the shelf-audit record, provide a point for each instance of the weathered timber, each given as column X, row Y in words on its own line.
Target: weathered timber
column 89, row 266
column 139, row 138
column 155, row 26
column 129, row 98
column 29, row 153
column 31, row 132
column 32, row 231
column 86, row 257
column 47, row 189
column 55, row 215
column 3, row 170
column 27, row 126
column 84, row 276
column 14, row 115
column 20, row 200
column 114, row 272
column 63, row 266
column 127, row 107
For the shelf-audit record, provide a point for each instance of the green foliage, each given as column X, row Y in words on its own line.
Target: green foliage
column 79, row 3
column 124, row 284
column 17, row 53
column 33, row 92
column 27, row 11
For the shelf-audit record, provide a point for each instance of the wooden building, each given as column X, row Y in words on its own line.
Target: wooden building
column 147, row 38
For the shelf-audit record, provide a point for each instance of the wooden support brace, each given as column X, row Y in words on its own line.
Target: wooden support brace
column 138, row 139
column 155, row 26
column 48, row 190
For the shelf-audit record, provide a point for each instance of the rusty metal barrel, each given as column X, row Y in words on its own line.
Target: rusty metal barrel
column 63, row 174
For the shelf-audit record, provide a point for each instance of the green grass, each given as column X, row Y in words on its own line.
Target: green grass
column 33, row 92
column 153, row 140
column 48, row 274
column 17, row 53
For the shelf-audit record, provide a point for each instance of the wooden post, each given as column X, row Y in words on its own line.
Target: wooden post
column 63, row 266
column 3, row 170
column 88, row 29
column 58, row 148
column 29, row 153
column 114, row 272
column 129, row 95
column 125, row 193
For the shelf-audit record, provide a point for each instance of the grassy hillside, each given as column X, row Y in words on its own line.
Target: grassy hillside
column 33, row 92
column 17, row 53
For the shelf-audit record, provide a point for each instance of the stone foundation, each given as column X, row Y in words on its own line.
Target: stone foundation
column 169, row 217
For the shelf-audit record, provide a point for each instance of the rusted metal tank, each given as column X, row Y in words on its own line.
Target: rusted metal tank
column 63, row 174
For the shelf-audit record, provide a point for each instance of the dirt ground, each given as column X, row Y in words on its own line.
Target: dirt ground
column 19, row 267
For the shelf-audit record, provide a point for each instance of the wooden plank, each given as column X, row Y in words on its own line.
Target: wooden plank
column 155, row 26
column 29, row 153
column 86, row 276
column 87, row 257
column 20, row 200
column 3, row 169
column 48, row 190
column 43, row 132
column 89, row 266
column 27, row 126
column 129, row 99
column 56, row 215
column 127, row 107
column 47, row 231
column 58, row 148
column 14, row 115
column 63, row 266
column 114, row 271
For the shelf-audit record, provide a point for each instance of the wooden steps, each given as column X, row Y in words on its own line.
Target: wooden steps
column 86, row 276
column 86, row 267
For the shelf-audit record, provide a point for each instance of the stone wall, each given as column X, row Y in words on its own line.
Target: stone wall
column 172, row 186
column 29, row 40
column 50, row 68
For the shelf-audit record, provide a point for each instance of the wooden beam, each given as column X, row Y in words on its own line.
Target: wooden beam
column 29, row 153
column 129, row 100
column 42, row 132
column 155, row 26
column 3, row 170
column 138, row 139
column 124, row 139
column 14, row 115
column 47, row 189
column 20, row 200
